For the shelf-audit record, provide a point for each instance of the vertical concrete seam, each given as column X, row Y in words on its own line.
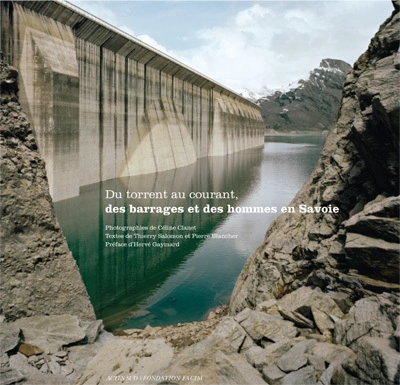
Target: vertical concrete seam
column 136, row 95
column 115, row 113
column 11, row 35
column 210, row 120
column 191, row 115
column 160, row 84
column 169, row 135
column 144, row 87
column 183, row 98
column 101, row 137
column 201, row 119
column 126, row 113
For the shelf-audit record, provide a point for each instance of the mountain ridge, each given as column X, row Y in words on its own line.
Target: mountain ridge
column 307, row 105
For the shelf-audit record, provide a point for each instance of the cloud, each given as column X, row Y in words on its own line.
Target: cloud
column 98, row 9
column 273, row 44
column 103, row 12
column 270, row 43
column 153, row 43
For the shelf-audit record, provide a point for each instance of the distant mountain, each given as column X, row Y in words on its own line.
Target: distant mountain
column 309, row 105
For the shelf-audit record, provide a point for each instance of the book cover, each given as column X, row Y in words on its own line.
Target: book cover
column 164, row 181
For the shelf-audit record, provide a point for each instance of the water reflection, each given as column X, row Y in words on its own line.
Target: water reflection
column 206, row 279
column 133, row 287
column 120, row 278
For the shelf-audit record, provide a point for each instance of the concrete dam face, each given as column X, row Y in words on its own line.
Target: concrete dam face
column 104, row 105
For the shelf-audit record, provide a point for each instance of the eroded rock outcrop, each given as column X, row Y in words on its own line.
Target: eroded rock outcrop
column 356, row 250
column 38, row 273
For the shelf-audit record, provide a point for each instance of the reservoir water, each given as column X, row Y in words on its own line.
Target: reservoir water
column 172, row 258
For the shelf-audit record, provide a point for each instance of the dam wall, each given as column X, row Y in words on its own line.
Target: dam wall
column 105, row 105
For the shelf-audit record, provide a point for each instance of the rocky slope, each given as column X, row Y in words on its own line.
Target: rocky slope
column 36, row 264
column 311, row 105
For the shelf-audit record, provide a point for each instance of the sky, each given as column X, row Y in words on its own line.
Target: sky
column 249, row 44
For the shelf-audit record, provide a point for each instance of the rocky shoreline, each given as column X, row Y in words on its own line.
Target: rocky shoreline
column 270, row 132
column 317, row 303
column 306, row 337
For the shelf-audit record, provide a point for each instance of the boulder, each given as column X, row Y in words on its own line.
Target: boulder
column 304, row 376
column 373, row 316
column 322, row 320
column 9, row 337
column 51, row 333
column 10, row 377
column 296, row 357
column 318, row 363
column 377, row 359
column 237, row 337
column 4, row 360
column 260, row 325
column 327, row 375
column 92, row 330
column 296, row 318
column 274, row 351
column 234, row 370
column 259, row 357
column 333, row 353
column 305, row 298
column 29, row 350
column 256, row 357
column 20, row 362
column 382, row 206
column 272, row 374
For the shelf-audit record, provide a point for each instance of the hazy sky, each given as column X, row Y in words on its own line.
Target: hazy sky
column 249, row 44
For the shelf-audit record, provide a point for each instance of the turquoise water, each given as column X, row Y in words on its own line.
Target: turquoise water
column 141, row 283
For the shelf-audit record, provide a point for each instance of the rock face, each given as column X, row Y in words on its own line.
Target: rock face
column 38, row 273
column 355, row 250
column 312, row 104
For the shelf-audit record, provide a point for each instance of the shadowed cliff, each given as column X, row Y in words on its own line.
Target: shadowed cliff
column 39, row 276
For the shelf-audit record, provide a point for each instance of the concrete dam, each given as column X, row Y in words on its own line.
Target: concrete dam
column 105, row 105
